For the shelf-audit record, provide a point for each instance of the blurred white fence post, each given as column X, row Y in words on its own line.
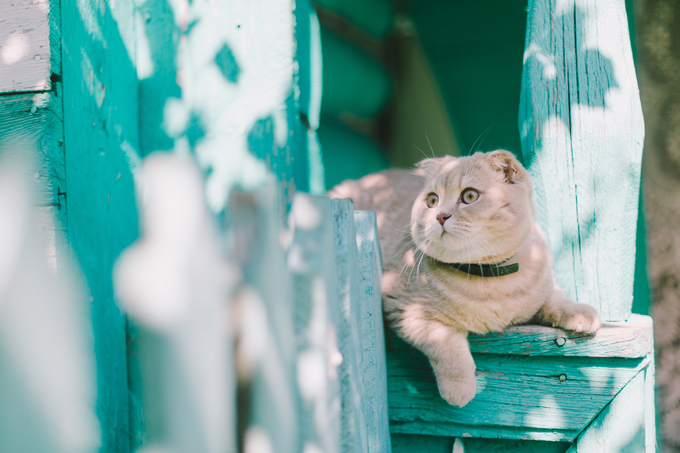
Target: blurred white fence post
column 176, row 285
column 47, row 380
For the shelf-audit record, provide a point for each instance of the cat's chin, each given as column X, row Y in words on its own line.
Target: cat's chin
column 449, row 255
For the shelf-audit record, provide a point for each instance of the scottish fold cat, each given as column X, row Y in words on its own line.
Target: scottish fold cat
column 462, row 253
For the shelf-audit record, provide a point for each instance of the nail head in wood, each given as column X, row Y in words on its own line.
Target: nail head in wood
column 560, row 341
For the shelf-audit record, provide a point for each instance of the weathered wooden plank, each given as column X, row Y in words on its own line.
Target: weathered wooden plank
column 621, row 426
column 542, row 398
column 374, row 362
column 31, row 125
column 311, row 259
column 407, row 443
column 477, row 431
column 627, row 339
column 412, row 443
column 349, row 328
column 514, row 446
column 267, row 351
column 101, row 139
column 25, row 45
column 582, row 131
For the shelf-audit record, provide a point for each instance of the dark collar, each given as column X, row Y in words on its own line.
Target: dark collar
column 486, row 270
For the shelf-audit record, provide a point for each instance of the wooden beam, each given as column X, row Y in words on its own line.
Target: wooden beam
column 311, row 259
column 349, row 328
column 624, row 424
column 374, row 373
column 32, row 124
column 101, row 154
column 627, row 339
column 582, row 130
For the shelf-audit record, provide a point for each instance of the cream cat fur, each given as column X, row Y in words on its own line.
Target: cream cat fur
column 432, row 305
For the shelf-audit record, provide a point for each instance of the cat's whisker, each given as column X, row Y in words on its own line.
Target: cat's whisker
column 421, row 261
column 430, row 144
column 402, row 250
column 482, row 136
column 483, row 249
column 421, row 151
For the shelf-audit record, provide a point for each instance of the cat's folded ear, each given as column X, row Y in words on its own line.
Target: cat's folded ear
column 429, row 166
column 433, row 166
column 507, row 164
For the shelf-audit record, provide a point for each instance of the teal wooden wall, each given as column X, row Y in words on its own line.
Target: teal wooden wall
column 229, row 93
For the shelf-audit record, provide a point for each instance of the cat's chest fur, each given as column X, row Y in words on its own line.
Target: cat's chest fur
column 467, row 302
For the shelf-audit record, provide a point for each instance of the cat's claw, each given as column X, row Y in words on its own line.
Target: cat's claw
column 458, row 390
column 580, row 318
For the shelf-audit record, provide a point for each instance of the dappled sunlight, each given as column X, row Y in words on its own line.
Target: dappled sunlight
column 14, row 49
column 583, row 148
column 536, row 416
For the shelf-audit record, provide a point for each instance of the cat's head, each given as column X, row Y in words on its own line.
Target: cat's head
column 473, row 209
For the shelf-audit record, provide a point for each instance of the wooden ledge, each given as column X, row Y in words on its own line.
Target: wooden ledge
column 627, row 339
column 533, row 382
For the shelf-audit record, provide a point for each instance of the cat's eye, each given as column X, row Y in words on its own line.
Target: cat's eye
column 469, row 196
column 432, row 200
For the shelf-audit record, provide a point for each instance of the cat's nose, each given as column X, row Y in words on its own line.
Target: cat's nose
column 442, row 218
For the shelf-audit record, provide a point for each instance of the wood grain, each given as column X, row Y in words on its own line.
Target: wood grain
column 627, row 339
column 542, row 398
column 311, row 260
column 349, row 328
column 406, row 443
column 621, row 427
column 25, row 45
column 582, row 130
column 33, row 122
column 374, row 372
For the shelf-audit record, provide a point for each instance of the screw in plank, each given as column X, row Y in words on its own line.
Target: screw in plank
column 563, row 377
column 560, row 341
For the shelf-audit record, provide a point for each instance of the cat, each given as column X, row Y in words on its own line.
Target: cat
column 476, row 210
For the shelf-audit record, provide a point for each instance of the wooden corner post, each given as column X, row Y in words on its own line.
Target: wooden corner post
column 581, row 126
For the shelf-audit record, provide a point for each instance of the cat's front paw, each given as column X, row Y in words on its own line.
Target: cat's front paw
column 580, row 318
column 457, row 389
